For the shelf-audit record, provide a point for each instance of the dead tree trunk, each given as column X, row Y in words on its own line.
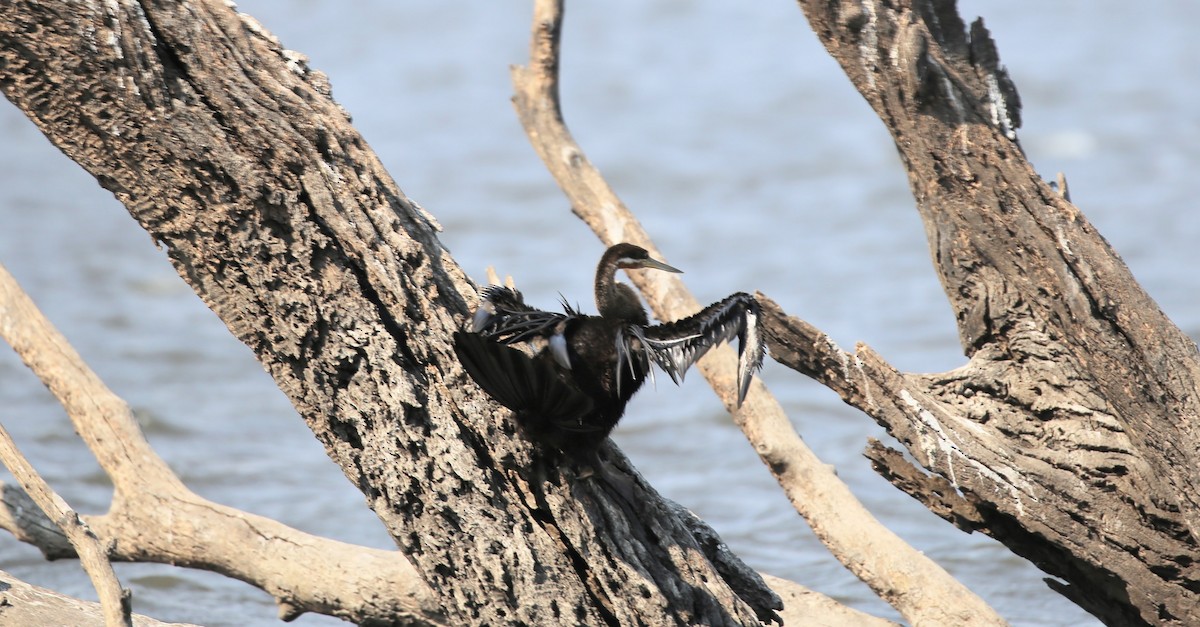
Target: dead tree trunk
column 1071, row 435
column 229, row 151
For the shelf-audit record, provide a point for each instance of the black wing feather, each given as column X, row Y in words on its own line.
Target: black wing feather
column 675, row 346
column 504, row 317
column 527, row 385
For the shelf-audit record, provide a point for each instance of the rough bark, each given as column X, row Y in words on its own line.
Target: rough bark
column 1071, row 433
column 304, row 573
column 230, row 152
column 921, row 590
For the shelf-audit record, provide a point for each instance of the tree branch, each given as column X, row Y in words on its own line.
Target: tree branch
column 114, row 600
column 1072, row 430
column 303, row 572
column 920, row 589
column 23, row 604
column 273, row 208
column 20, row 516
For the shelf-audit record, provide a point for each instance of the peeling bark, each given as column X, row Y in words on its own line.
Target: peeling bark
column 1071, row 433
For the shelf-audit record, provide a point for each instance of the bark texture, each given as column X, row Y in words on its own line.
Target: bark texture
column 231, row 153
column 1071, row 433
column 304, row 573
column 921, row 590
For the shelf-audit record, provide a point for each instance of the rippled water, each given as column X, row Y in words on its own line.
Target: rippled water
column 749, row 158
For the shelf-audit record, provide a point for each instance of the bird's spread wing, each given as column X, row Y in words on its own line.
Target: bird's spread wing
column 675, row 346
column 504, row 317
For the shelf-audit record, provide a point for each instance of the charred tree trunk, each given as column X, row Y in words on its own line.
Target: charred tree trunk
column 230, row 152
column 1071, row 433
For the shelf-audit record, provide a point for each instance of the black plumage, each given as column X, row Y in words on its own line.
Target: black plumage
column 572, row 392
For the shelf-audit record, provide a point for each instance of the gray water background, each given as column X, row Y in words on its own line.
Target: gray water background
column 748, row 157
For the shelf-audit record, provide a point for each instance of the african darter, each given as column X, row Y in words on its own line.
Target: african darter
column 570, row 394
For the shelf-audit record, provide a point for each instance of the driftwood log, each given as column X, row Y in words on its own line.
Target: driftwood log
column 1069, row 435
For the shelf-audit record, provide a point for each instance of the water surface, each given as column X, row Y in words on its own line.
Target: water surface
column 750, row 160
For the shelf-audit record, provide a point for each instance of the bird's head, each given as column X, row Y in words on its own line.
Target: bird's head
column 626, row 255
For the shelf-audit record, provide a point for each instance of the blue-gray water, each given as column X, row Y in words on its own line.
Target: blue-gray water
column 748, row 157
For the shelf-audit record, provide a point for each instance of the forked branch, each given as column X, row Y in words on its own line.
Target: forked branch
column 114, row 600
column 304, row 573
column 1071, row 433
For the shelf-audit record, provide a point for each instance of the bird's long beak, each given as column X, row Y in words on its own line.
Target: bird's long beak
column 654, row 264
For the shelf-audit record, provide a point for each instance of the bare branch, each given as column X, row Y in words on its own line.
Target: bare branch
column 20, row 516
column 25, row 604
column 1071, row 433
column 808, row 608
column 920, row 589
column 114, row 600
column 303, row 572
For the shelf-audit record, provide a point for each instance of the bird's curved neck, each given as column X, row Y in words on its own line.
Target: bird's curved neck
column 615, row 300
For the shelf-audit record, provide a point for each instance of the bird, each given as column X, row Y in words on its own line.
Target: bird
column 571, row 393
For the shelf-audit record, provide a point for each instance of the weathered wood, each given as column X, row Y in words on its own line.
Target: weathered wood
column 23, row 604
column 114, row 599
column 921, row 590
column 154, row 517
column 230, row 152
column 1072, row 430
column 1070, row 434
